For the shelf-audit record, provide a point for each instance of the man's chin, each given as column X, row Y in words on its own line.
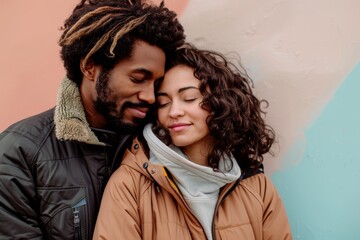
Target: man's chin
column 131, row 127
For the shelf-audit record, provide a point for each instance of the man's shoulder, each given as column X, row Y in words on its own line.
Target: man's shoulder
column 33, row 126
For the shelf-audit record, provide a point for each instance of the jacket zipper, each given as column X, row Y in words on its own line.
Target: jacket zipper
column 173, row 186
column 177, row 190
column 222, row 200
column 77, row 220
column 77, row 225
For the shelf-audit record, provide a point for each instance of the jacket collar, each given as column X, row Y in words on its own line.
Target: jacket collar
column 136, row 158
column 70, row 119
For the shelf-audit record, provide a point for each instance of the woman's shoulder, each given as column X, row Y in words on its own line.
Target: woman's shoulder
column 127, row 182
column 256, row 180
column 259, row 185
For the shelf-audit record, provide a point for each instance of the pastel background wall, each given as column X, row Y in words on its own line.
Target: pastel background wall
column 304, row 57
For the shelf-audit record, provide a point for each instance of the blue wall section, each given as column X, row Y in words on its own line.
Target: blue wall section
column 322, row 193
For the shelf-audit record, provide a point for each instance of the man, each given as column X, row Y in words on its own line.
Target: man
column 54, row 166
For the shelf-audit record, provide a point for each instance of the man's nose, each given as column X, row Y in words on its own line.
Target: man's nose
column 147, row 94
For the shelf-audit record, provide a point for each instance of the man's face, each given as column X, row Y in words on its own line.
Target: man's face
column 125, row 93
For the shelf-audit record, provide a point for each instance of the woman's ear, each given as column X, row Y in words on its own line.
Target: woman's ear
column 88, row 69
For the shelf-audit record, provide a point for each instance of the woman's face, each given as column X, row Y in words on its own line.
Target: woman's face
column 180, row 112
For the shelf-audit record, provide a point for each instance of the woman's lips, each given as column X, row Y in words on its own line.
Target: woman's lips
column 178, row 127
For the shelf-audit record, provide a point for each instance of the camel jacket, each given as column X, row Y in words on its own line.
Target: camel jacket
column 53, row 170
column 142, row 201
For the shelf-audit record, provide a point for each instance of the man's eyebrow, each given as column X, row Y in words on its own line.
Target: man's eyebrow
column 179, row 91
column 144, row 71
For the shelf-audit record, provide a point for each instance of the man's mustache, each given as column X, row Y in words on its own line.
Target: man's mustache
column 135, row 105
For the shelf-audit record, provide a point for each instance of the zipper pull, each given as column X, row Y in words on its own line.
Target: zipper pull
column 76, row 218
column 77, row 225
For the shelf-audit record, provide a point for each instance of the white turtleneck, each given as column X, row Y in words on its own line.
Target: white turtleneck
column 199, row 185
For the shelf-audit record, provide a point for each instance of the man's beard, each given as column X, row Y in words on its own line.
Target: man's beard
column 108, row 109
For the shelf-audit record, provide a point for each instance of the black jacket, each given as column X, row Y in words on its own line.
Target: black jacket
column 53, row 173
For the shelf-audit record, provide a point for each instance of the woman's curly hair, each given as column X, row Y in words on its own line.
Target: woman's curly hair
column 104, row 31
column 235, row 120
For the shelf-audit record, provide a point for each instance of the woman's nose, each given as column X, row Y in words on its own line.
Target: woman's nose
column 176, row 110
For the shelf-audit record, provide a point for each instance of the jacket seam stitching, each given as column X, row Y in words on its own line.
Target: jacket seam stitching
column 253, row 192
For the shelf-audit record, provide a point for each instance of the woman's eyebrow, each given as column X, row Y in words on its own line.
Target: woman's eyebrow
column 186, row 88
column 179, row 91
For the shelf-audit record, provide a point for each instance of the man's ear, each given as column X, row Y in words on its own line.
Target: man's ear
column 88, row 69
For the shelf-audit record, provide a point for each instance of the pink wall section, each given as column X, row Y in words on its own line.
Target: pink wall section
column 30, row 65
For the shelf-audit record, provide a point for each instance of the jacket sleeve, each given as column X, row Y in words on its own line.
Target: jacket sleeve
column 275, row 221
column 18, row 205
column 118, row 216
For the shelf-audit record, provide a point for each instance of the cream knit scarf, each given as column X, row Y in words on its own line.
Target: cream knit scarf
column 199, row 185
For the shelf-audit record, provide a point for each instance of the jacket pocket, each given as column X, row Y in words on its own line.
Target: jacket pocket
column 63, row 213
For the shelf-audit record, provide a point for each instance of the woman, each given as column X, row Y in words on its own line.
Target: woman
column 197, row 172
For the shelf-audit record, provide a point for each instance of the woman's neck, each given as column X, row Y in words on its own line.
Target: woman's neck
column 198, row 153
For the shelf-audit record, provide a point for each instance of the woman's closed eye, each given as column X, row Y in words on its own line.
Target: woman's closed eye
column 162, row 102
column 189, row 99
column 162, row 105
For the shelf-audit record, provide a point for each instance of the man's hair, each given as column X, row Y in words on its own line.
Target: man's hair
column 104, row 31
column 235, row 118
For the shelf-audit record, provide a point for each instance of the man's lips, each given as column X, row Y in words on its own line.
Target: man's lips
column 138, row 112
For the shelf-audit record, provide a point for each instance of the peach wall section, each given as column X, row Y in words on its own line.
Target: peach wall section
column 297, row 52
